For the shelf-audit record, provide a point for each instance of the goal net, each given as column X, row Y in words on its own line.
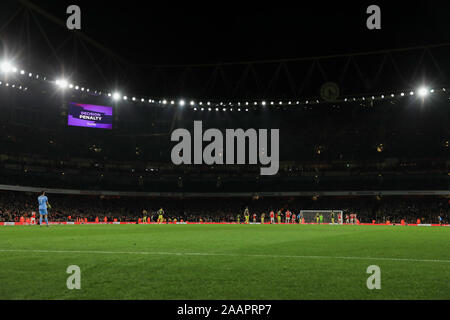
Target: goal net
column 329, row 216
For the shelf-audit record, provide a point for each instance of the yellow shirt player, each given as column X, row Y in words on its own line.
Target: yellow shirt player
column 246, row 215
column 262, row 217
column 144, row 213
column 279, row 214
column 160, row 215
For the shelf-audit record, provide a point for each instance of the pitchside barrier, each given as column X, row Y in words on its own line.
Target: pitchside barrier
column 156, row 223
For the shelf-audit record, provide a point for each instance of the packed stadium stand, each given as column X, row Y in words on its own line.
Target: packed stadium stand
column 14, row 205
column 399, row 144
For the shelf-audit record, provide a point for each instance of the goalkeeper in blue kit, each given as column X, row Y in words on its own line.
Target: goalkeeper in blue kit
column 43, row 205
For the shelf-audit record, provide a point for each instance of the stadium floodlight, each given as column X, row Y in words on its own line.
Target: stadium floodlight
column 181, row 103
column 116, row 96
column 423, row 92
column 263, row 103
column 62, row 83
column 6, row 67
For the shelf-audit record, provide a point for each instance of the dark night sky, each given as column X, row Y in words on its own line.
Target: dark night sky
column 170, row 32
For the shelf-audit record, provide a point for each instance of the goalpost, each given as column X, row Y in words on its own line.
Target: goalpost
column 310, row 216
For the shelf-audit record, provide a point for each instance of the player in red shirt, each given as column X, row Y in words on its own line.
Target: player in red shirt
column 272, row 217
column 293, row 218
column 254, row 217
column 33, row 217
column 288, row 216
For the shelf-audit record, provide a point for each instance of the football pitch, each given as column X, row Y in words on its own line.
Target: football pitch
column 224, row 261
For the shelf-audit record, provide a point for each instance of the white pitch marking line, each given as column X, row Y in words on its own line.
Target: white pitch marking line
column 222, row 254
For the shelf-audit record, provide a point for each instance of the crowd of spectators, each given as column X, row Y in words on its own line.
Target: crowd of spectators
column 14, row 205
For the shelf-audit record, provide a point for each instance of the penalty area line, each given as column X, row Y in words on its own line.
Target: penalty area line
column 221, row 254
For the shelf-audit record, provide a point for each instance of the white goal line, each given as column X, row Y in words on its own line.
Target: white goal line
column 222, row 254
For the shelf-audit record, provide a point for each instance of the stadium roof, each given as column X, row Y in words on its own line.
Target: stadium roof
column 136, row 47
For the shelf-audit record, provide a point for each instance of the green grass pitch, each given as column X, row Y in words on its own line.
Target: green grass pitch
column 224, row 261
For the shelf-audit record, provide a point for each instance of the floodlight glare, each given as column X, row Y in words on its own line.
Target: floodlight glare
column 181, row 103
column 116, row 96
column 62, row 83
column 423, row 91
column 6, row 66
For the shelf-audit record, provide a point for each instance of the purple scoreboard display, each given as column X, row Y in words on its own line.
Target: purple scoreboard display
column 90, row 116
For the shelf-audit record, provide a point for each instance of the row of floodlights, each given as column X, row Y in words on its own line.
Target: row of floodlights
column 8, row 67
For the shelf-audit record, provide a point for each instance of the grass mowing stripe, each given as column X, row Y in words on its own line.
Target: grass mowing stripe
column 223, row 254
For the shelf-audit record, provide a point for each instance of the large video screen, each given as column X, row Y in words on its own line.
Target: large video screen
column 90, row 116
